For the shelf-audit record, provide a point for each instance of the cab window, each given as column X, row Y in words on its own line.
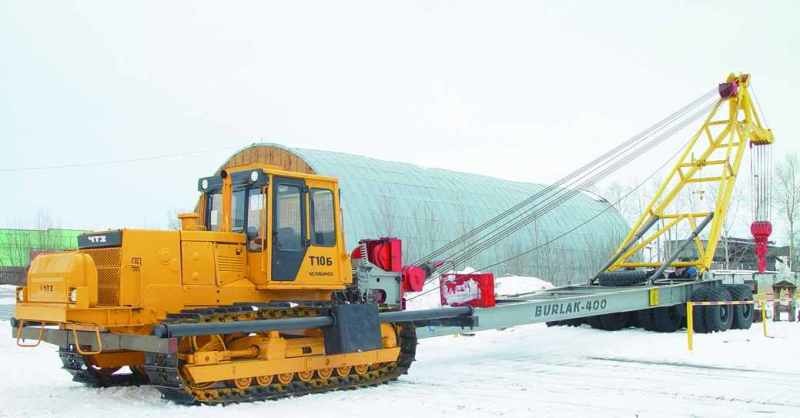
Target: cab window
column 237, row 209
column 213, row 211
column 289, row 218
column 323, row 231
column 255, row 204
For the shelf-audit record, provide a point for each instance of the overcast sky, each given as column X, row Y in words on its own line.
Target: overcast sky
column 520, row 90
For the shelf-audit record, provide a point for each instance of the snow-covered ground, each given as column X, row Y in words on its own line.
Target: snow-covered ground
column 520, row 372
column 7, row 294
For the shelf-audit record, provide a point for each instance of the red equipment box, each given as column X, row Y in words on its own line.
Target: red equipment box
column 473, row 289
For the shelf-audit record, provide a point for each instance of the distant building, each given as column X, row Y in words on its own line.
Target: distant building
column 740, row 254
column 19, row 246
column 429, row 207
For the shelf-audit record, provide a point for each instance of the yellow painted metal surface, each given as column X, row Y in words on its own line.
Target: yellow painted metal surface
column 52, row 277
column 198, row 263
column 653, row 296
column 154, row 273
column 255, row 367
column 117, row 359
column 713, row 157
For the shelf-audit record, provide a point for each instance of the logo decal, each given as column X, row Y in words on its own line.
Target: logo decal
column 97, row 239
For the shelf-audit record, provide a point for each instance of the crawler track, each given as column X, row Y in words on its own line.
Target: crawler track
column 84, row 372
column 164, row 371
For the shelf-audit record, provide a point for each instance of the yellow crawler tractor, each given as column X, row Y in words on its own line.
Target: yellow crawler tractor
column 255, row 297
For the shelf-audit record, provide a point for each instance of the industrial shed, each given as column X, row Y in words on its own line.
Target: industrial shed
column 19, row 246
column 428, row 207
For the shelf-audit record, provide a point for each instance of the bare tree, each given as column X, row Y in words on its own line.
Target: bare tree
column 21, row 244
column 427, row 230
column 518, row 264
column 737, row 209
column 548, row 260
column 172, row 219
column 18, row 244
column 787, row 174
column 628, row 202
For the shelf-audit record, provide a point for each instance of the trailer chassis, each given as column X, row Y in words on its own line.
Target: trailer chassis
column 563, row 303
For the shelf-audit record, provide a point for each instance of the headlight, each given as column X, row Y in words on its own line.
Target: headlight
column 254, row 176
column 73, row 295
column 20, row 294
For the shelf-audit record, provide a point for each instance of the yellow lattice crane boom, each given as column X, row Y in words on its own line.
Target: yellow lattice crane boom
column 711, row 159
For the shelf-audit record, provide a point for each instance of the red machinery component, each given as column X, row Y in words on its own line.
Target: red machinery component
column 473, row 289
column 761, row 231
column 413, row 278
column 729, row 89
column 761, row 172
column 386, row 253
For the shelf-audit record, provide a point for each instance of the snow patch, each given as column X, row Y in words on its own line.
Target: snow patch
column 8, row 294
column 517, row 285
column 523, row 371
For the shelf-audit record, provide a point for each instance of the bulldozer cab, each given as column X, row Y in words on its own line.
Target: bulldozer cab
column 290, row 221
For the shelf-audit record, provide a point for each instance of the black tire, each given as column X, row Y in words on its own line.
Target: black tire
column 719, row 318
column 574, row 322
column 743, row 315
column 698, row 313
column 594, row 322
column 644, row 319
column 633, row 319
column 756, row 315
column 614, row 321
column 668, row 319
column 622, row 278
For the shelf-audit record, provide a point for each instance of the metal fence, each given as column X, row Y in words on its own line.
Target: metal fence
column 12, row 275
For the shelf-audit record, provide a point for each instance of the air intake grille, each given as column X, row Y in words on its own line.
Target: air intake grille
column 230, row 263
column 107, row 261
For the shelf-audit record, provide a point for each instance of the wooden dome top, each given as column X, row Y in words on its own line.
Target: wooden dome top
column 269, row 154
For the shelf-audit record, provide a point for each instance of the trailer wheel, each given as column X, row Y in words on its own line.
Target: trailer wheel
column 698, row 313
column 644, row 318
column 614, row 321
column 622, row 278
column 594, row 322
column 719, row 317
column 668, row 319
column 742, row 314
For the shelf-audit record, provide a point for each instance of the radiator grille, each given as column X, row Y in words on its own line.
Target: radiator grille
column 230, row 263
column 108, row 262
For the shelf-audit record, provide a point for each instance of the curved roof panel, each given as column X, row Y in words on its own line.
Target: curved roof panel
column 428, row 207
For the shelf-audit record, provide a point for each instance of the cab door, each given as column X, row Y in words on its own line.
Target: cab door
column 289, row 243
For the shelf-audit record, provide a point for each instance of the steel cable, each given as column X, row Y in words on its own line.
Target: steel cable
column 556, row 200
column 563, row 194
column 576, row 227
column 580, row 171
